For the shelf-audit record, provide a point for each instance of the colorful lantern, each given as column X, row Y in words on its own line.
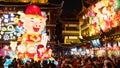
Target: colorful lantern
column 13, row 45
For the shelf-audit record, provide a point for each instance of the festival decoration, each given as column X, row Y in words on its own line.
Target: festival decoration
column 13, row 45
column 28, row 30
column 21, row 48
column 7, row 62
column 33, row 23
column 103, row 15
column 8, row 31
column 21, row 51
column 6, row 37
column 6, row 49
column 1, row 51
column 10, row 28
column 20, row 30
column 116, row 5
column 12, row 54
column 40, row 51
column 3, row 29
column 31, row 50
column 44, row 40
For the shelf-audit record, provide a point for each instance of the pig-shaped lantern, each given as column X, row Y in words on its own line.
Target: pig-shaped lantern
column 34, row 22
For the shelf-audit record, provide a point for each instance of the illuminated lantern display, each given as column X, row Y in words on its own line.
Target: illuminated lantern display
column 13, row 45
column 103, row 15
column 8, row 31
column 32, row 23
column 21, row 51
column 31, row 51
column 40, row 51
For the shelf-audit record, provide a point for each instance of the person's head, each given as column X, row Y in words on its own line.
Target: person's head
column 109, row 65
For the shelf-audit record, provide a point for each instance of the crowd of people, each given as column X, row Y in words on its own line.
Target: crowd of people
column 65, row 62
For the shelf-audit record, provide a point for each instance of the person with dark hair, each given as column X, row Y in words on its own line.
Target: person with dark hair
column 26, row 65
column 118, row 63
column 19, row 63
column 14, row 63
column 1, row 62
column 52, row 65
column 109, row 65
column 38, row 64
column 45, row 65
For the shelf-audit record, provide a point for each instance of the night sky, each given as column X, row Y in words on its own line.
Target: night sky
column 70, row 7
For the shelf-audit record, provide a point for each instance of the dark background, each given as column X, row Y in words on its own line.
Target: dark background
column 70, row 7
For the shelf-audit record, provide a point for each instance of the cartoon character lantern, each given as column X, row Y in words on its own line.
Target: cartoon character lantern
column 34, row 23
